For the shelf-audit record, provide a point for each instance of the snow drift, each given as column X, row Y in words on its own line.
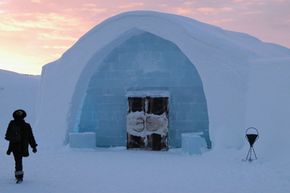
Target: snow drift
column 17, row 91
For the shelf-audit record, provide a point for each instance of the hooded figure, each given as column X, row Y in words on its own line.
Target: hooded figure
column 19, row 134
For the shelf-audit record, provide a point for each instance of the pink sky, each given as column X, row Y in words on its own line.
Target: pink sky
column 35, row 32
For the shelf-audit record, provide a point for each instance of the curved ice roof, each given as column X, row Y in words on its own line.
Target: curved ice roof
column 191, row 36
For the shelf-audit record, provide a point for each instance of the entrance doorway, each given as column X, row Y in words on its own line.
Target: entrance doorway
column 147, row 122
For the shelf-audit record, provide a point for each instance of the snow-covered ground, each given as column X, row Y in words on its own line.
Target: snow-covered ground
column 117, row 170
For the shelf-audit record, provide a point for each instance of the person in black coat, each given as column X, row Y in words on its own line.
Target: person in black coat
column 19, row 134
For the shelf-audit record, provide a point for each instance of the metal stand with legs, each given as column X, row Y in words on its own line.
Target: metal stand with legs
column 252, row 136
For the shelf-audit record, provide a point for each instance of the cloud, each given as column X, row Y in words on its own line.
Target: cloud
column 183, row 11
column 282, row 1
column 25, row 22
column 56, row 47
column 249, row 2
column 35, row 1
column 54, row 36
column 213, row 10
column 189, row 3
column 4, row 27
column 2, row 6
column 131, row 5
column 252, row 12
column 90, row 7
column 222, row 21
column 2, row 2
column 206, row 10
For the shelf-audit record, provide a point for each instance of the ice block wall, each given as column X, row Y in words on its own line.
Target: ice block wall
column 144, row 61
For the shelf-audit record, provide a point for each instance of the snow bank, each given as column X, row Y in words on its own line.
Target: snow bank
column 17, row 91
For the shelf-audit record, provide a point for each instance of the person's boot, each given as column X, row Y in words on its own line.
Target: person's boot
column 19, row 176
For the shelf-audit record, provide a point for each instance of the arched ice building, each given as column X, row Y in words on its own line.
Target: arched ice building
column 139, row 74
column 135, row 66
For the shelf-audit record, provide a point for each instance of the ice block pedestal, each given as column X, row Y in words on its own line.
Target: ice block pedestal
column 83, row 140
column 193, row 143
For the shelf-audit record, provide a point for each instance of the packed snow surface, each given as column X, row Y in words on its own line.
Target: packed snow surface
column 117, row 170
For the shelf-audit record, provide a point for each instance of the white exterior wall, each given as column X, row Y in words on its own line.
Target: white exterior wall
column 268, row 107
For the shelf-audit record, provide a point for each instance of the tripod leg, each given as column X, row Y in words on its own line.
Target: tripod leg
column 248, row 154
column 255, row 153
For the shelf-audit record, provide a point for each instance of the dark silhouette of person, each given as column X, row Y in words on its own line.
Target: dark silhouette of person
column 19, row 134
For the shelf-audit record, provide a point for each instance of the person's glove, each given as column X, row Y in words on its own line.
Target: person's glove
column 34, row 150
column 8, row 152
